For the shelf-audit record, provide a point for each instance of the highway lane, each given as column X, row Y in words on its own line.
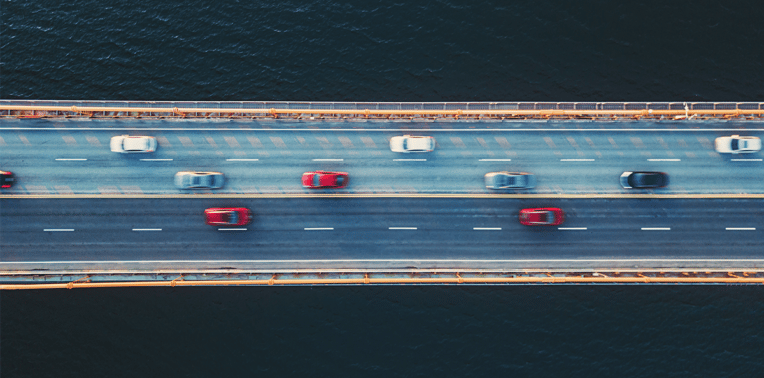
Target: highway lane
column 272, row 161
column 363, row 233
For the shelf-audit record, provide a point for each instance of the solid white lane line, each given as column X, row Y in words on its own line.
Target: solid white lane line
column 486, row 228
column 58, row 229
column 495, row 159
column 401, row 228
column 242, row 159
column 745, row 159
column 571, row 228
column 328, row 159
column 656, row 228
column 409, row 159
column 156, row 159
column 664, row 159
column 147, row 229
column 232, row 229
column 576, row 159
column 318, row 228
column 71, row 159
column 741, row 228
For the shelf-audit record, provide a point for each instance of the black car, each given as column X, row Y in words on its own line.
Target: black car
column 644, row 180
column 6, row 179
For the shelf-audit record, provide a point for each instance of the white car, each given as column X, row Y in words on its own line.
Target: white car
column 199, row 180
column 737, row 145
column 126, row 144
column 408, row 143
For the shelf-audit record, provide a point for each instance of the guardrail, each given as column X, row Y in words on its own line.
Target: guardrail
column 411, row 278
column 382, row 110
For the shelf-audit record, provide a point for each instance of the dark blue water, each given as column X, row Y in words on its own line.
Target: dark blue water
column 322, row 50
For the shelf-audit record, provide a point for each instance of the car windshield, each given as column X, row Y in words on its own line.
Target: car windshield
column 734, row 144
column 340, row 180
column 316, row 180
column 232, row 217
column 196, row 181
column 510, row 180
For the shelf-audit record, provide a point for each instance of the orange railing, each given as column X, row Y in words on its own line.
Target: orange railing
column 340, row 110
column 96, row 281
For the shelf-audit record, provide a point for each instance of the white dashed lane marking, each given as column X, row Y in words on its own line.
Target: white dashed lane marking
column 71, row 159
column 745, row 159
column 328, row 159
column 401, row 228
column 495, row 159
column 664, row 159
column 58, row 229
column 741, row 228
column 572, row 228
column 486, row 228
column 409, row 159
column 232, row 229
column 656, row 228
column 147, row 229
column 156, row 159
column 576, row 159
column 319, row 228
column 242, row 159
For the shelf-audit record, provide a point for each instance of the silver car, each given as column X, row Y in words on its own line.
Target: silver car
column 509, row 180
column 199, row 180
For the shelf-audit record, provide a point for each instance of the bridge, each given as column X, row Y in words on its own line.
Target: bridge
column 80, row 215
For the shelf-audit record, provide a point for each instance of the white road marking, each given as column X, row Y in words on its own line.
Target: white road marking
column 486, row 228
column 656, row 228
column 576, row 159
column 328, row 159
column 71, row 159
column 571, row 228
column 495, row 159
column 741, row 228
column 156, row 159
column 147, row 229
column 58, row 229
column 319, row 228
column 745, row 159
column 401, row 228
column 232, row 229
column 409, row 159
column 664, row 159
column 535, row 261
column 242, row 159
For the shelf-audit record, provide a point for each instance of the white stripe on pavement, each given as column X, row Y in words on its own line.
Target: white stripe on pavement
column 409, row 159
column 576, row 159
column 318, row 228
column 147, row 229
column 745, row 159
column 328, row 159
column 232, row 229
column 664, row 159
column 495, row 159
column 571, row 228
column 486, row 228
column 656, row 228
column 71, row 159
column 741, row 228
column 58, row 229
column 401, row 228
column 156, row 159
column 242, row 159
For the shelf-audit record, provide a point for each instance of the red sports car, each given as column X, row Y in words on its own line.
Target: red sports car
column 228, row 216
column 6, row 179
column 324, row 179
column 543, row 216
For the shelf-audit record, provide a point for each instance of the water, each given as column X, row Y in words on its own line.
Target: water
column 383, row 51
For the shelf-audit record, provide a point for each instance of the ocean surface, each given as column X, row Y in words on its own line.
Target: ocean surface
column 226, row 50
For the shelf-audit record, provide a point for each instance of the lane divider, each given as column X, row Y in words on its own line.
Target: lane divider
column 656, row 228
column 486, row 228
column 242, row 159
column 156, row 159
column 741, row 228
column 61, row 159
column 328, row 159
column 576, row 159
column 495, row 159
column 401, row 228
column 664, row 159
column 147, row 229
column 319, row 228
column 58, row 229
column 572, row 228
column 409, row 159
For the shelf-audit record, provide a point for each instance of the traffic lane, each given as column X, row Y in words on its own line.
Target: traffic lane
column 360, row 229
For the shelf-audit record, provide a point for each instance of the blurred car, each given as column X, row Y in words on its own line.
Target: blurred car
column 644, row 180
column 543, row 216
column 736, row 144
column 126, row 144
column 324, row 179
column 6, row 179
column 408, row 143
column 199, row 180
column 227, row 216
column 509, row 180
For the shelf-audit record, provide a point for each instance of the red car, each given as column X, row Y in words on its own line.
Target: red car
column 324, row 179
column 543, row 216
column 227, row 216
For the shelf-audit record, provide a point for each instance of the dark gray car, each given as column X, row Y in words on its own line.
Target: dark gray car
column 509, row 180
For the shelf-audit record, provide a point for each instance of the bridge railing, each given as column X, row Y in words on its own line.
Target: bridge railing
column 385, row 110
